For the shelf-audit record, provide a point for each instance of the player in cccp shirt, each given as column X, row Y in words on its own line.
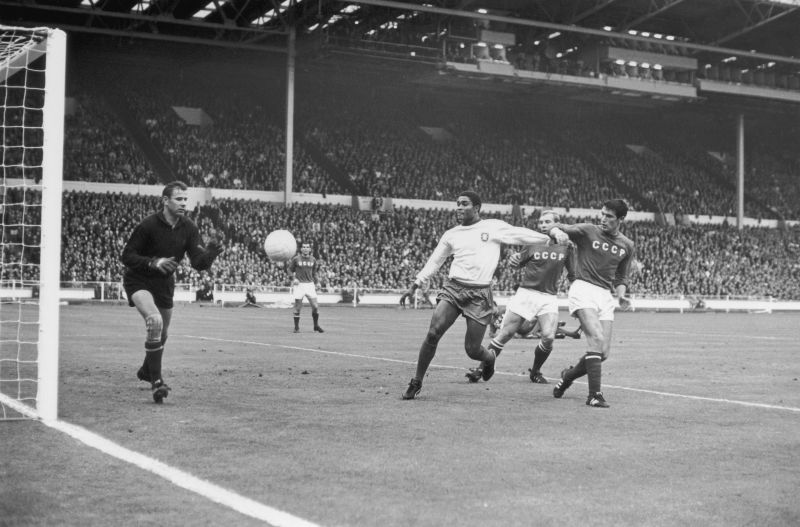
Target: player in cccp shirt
column 603, row 259
column 304, row 268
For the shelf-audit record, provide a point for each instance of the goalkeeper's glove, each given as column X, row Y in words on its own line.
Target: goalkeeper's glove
column 165, row 266
column 215, row 244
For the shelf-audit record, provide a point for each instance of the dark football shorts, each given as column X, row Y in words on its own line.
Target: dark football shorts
column 162, row 290
column 474, row 302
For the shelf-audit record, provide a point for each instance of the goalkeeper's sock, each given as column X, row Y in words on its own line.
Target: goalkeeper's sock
column 153, row 352
column 594, row 371
column 540, row 355
column 315, row 318
column 297, row 322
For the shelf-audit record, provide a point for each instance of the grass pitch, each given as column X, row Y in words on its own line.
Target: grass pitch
column 703, row 427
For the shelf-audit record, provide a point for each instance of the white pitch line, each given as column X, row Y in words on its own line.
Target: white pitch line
column 182, row 479
column 720, row 335
column 440, row 366
column 712, row 399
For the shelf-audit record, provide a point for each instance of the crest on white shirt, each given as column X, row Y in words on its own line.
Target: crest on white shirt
column 484, row 236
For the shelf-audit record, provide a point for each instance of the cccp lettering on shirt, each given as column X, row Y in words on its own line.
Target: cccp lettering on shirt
column 544, row 255
column 608, row 247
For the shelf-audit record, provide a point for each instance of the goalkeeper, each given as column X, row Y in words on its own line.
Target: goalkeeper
column 151, row 256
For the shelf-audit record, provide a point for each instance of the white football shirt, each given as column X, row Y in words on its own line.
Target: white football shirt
column 476, row 250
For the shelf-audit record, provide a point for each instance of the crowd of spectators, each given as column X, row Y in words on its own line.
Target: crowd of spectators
column 385, row 251
column 98, row 148
column 394, row 141
column 21, row 212
column 243, row 147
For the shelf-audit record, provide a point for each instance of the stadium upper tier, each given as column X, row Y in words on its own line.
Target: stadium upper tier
column 373, row 136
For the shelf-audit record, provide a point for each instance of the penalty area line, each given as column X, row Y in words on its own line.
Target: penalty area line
column 371, row 357
column 177, row 477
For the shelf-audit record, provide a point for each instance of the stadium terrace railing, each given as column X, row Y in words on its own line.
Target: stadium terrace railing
column 227, row 295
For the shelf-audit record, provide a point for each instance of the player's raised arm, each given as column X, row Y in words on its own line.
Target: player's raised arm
column 511, row 235
column 201, row 257
column 559, row 230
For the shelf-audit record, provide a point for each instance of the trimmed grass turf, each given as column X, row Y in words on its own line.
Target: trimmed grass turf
column 313, row 424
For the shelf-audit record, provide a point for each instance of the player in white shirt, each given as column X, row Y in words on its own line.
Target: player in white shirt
column 475, row 247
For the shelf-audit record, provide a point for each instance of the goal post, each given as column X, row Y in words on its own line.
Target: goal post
column 32, row 101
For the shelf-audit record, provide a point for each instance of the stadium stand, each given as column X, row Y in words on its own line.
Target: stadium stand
column 385, row 251
column 395, row 142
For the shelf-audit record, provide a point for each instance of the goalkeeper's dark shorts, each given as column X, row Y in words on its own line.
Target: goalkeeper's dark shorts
column 162, row 289
column 472, row 301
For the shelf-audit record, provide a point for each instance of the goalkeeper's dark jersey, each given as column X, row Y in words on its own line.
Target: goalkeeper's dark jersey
column 544, row 265
column 155, row 238
column 304, row 268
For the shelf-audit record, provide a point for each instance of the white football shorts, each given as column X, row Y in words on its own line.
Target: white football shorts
column 304, row 289
column 529, row 303
column 583, row 295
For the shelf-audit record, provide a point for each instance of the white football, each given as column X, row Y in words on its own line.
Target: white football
column 280, row 245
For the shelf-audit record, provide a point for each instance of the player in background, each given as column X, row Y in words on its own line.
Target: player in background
column 535, row 299
column 421, row 296
column 151, row 255
column 603, row 257
column 475, row 247
column 303, row 268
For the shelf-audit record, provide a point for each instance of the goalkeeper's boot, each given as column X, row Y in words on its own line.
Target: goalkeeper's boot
column 537, row 377
column 414, row 387
column 596, row 400
column 562, row 385
column 475, row 374
column 319, row 329
column 160, row 391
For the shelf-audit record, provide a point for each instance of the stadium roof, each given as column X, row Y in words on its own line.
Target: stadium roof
column 759, row 29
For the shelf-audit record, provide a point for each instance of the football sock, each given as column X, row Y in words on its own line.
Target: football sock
column 577, row 371
column 540, row 355
column 153, row 346
column 496, row 346
column 315, row 318
column 594, row 370
column 152, row 359
column 297, row 322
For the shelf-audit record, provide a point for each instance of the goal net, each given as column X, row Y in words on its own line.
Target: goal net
column 32, row 76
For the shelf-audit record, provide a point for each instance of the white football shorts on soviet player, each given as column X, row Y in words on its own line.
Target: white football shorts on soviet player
column 583, row 295
column 304, row 289
column 530, row 304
